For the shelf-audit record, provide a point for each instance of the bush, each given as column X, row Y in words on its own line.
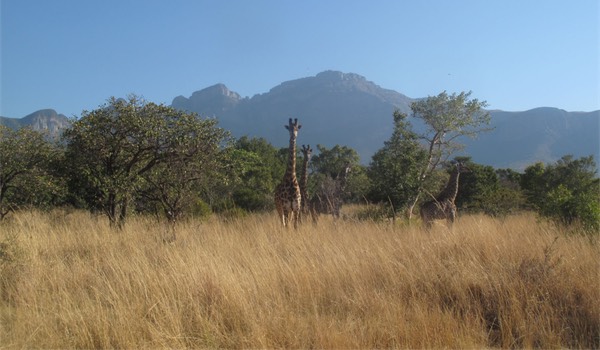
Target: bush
column 233, row 214
column 567, row 192
column 201, row 210
column 253, row 200
column 374, row 212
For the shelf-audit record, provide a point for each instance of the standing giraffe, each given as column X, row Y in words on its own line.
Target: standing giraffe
column 287, row 193
column 442, row 206
column 330, row 196
column 307, row 153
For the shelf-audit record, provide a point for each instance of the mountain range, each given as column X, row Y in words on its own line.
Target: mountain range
column 347, row 109
column 45, row 120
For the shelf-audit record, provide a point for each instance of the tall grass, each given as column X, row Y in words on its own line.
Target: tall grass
column 68, row 281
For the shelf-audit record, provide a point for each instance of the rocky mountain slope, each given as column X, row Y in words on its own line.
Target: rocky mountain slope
column 333, row 108
column 340, row 108
column 45, row 120
column 347, row 109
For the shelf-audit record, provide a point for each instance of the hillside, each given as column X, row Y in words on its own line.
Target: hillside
column 46, row 120
column 541, row 134
column 333, row 107
column 339, row 108
column 347, row 109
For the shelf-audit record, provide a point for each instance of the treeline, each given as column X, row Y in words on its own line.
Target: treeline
column 133, row 156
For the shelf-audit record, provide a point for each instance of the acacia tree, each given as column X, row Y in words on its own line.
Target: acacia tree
column 107, row 149
column 113, row 150
column 189, row 156
column 447, row 118
column 24, row 159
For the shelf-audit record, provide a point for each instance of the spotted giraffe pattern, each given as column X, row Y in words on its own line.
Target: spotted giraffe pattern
column 306, row 153
column 442, row 207
column 287, row 193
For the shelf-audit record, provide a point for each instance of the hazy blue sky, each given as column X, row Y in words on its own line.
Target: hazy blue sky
column 72, row 55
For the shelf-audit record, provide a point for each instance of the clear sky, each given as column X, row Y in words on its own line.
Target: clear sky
column 71, row 55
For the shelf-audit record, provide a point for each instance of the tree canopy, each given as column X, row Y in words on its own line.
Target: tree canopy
column 133, row 155
column 400, row 171
column 25, row 156
column 394, row 169
column 128, row 145
column 567, row 191
column 447, row 118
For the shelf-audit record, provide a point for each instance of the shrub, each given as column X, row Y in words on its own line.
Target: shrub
column 567, row 192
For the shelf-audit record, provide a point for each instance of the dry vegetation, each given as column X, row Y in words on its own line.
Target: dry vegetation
column 68, row 281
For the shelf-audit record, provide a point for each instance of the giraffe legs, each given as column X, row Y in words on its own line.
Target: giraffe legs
column 295, row 217
column 282, row 214
column 431, row 211
column 288, row 217
column 451, row 216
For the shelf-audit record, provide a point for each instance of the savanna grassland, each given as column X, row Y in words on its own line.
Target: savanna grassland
column 69, row 281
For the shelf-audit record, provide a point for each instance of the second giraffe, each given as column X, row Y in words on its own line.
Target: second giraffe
column 442, row 206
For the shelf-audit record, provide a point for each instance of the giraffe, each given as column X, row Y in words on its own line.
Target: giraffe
column 329, row 198
column 287, row 193
column 307, row 153
column 442, row 206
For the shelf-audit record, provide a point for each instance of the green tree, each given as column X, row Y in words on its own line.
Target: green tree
column 255, row 168
column 108, row 149
column 330, row 163
column 476, row 185
column 191, row 157
column 484, row 189
column 25, row 177
column 447, row 118
column 567, row 191
column 128, row 145
column 275, row 159
column 534, row 184
column 394, row 169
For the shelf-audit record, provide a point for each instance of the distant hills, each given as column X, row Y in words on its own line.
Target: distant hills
column 347, row 109
column 46, row 120
column 541, row 134
column 333, row 108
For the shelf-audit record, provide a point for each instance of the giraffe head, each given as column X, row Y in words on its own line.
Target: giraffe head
column 461, row 167
column 347, row 168
column 293, row 127
column 342, row 178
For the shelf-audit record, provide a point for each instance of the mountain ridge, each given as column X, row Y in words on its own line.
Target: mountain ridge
column 347, row 109
column 44, row 120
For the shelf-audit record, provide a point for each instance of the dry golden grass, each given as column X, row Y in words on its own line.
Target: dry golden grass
column 68, row 281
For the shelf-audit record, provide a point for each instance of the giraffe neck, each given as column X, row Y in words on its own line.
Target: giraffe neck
column 304, row 175
column 290, row 172
column 343, row 179
column 451, row 189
